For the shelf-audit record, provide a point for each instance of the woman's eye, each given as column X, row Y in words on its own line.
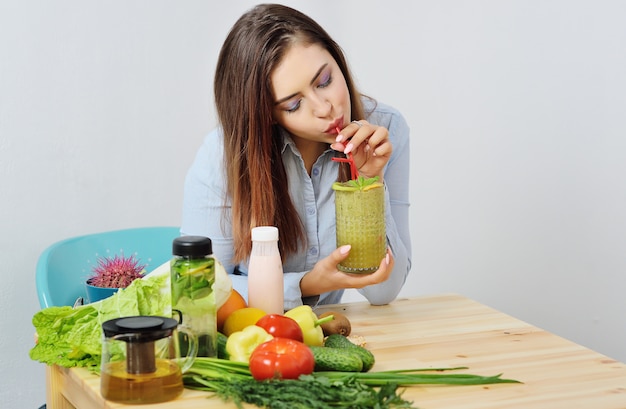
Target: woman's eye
column 294, row 107
column 325, row 81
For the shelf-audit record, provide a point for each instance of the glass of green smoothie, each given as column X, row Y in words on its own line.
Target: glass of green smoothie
column 360, row 218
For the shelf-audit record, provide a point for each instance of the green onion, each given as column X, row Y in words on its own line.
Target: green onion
column 217, row 368
column 408, row 377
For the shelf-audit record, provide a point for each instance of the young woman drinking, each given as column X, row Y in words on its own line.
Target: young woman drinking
column 287, row 104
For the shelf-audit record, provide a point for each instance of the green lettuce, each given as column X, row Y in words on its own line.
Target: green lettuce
column 71, row 337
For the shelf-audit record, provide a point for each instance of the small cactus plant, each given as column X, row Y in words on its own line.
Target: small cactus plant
column 116, row 272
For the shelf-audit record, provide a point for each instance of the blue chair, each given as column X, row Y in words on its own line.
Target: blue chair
column 64, row 266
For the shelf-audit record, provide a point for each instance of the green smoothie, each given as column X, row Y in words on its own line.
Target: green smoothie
column 360, row 218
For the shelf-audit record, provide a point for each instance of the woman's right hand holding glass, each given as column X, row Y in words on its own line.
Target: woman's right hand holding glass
column 325, row 277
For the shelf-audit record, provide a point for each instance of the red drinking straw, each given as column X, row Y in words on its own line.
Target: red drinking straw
column 354, row 173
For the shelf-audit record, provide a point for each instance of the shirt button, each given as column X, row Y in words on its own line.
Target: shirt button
column 310, row 211
column 315, row 171
column 313, row 251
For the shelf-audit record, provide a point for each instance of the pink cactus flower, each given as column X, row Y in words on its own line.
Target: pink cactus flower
column 116, row 272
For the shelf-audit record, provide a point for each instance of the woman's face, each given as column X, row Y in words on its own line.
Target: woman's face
column 311, row 97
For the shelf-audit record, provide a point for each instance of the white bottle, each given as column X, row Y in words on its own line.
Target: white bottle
column 265, row 271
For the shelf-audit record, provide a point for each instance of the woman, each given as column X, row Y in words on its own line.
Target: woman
column 282, row 89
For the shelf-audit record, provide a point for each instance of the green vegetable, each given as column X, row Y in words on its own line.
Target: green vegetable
column 73, row 336
column 342, row 342
column 406, row 377
column 221, row 346
column 308, row 392
column 336, row 359
column 217, row 369
column 232, row 381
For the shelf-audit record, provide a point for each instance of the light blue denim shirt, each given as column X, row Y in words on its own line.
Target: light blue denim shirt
column 313, row 197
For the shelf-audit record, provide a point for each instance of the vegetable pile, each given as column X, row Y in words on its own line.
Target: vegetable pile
column 308, row 392
column 294, row 360
column 298, row 360
column 233, row 381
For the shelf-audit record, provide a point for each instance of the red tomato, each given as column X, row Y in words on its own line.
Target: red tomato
column 281, row 358
column 280, row 326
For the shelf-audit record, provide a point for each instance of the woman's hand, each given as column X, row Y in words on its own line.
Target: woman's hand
column 369, row 145
column 325, row 277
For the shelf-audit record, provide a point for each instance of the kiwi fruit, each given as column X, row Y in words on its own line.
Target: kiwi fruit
column 339, row 325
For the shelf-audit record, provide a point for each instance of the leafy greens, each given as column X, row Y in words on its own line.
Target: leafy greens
column 70, row 337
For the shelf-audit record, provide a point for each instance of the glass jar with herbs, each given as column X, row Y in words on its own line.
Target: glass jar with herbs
column 192, row 271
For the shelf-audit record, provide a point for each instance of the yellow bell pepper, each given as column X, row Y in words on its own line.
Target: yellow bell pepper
column 240, row 344
column 309, row 323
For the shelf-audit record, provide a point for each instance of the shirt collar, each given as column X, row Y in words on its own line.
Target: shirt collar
column 287, row 140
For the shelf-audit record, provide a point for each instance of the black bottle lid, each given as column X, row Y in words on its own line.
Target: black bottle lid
column 192, row 246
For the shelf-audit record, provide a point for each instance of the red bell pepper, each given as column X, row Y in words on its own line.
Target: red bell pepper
column 280, row 326
column 281, row 358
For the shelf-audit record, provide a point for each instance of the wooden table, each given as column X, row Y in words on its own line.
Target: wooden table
column 436, row 331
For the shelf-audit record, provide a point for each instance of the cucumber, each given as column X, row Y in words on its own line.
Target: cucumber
column 335, row 359
column 338, row 341
column 221, row 346
column 341, row 342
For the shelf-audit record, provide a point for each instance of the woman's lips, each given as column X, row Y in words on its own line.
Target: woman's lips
column 338, row 123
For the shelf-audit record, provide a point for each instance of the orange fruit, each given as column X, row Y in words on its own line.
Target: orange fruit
column 241, row 318
column 234, row 302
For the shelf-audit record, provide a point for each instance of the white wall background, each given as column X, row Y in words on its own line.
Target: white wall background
column 517, row 110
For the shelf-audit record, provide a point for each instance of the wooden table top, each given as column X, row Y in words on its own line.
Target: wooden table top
column 435, row 331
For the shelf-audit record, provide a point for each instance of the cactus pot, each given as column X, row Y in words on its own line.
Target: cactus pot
column 98, row 293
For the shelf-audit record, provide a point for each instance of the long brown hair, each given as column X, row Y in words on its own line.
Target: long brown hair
column 256, row 177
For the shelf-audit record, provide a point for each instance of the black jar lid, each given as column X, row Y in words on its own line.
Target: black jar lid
column 140, row 328
column 192, row 246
